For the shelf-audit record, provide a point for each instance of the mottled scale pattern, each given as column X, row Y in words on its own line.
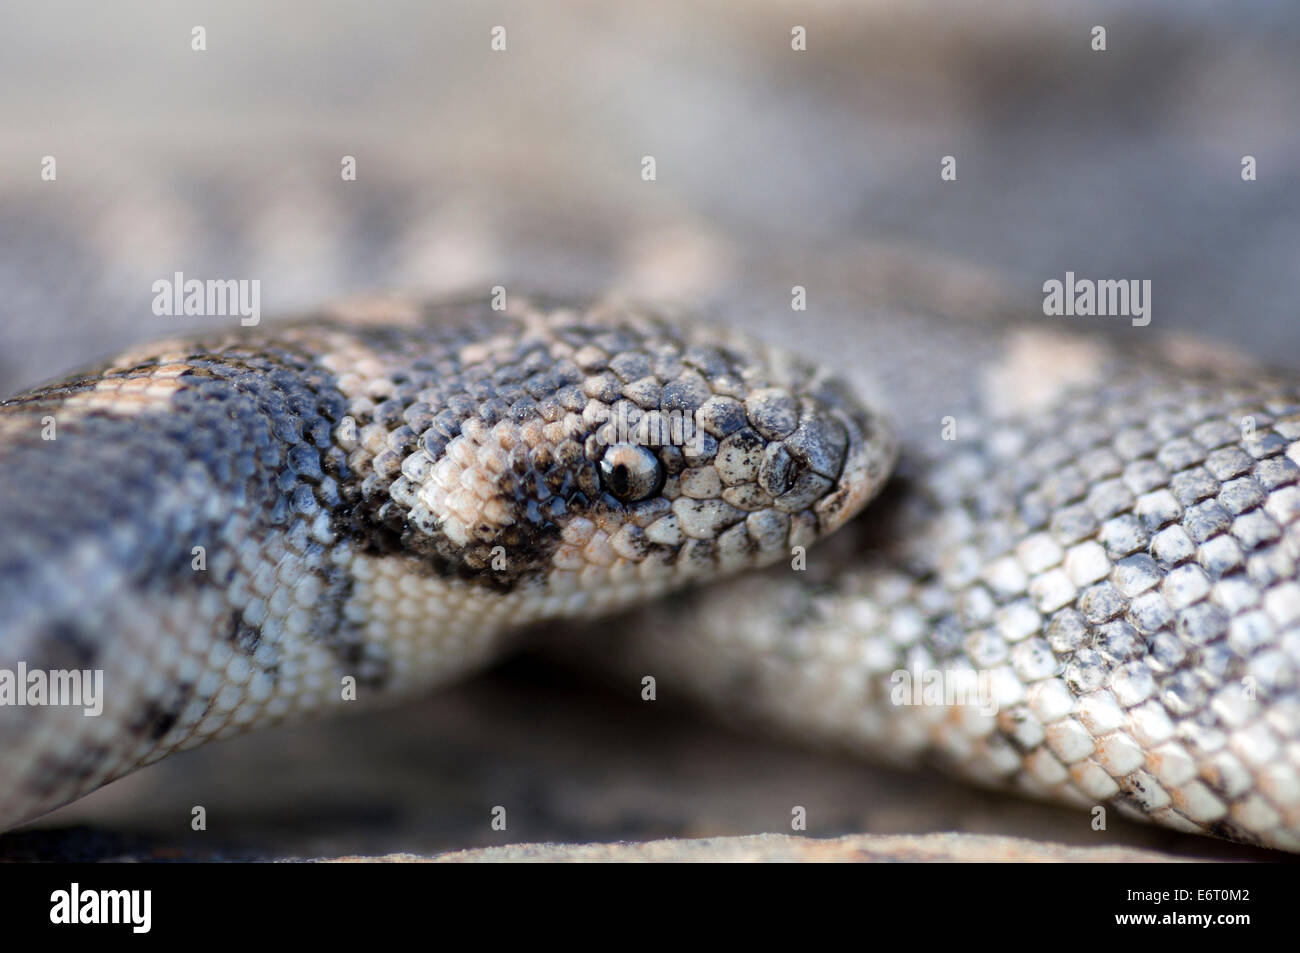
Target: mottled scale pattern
column 1118, row 562
column 252, row 526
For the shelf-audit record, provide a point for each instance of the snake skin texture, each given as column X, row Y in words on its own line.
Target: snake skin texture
column 243, row 528
column 1097, row 539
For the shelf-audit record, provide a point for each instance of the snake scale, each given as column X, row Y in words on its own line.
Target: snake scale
column 235, row 528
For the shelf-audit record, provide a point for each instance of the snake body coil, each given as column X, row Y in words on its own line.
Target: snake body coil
column 1104, row 540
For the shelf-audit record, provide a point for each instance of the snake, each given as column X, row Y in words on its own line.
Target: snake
column 222, row 533
column 1099, row 532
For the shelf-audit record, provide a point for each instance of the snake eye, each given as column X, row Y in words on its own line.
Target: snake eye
column 630, row 473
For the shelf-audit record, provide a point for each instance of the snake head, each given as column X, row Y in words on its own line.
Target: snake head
column 606, row 453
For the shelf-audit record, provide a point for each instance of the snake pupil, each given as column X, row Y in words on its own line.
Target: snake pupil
column 620, row 480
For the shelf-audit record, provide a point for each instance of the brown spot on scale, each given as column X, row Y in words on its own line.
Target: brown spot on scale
column 1040, row 365
column 377, row 310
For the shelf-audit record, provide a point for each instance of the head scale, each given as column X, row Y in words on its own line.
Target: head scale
column 606, row 447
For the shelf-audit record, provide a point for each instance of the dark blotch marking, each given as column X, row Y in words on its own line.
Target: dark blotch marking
column 159, row 717
column 245, row 637
column 65, row 646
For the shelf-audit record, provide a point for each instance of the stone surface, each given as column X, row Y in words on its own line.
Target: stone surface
column 787, row 848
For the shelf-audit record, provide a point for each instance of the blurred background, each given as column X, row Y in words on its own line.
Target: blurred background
column 523, row 167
